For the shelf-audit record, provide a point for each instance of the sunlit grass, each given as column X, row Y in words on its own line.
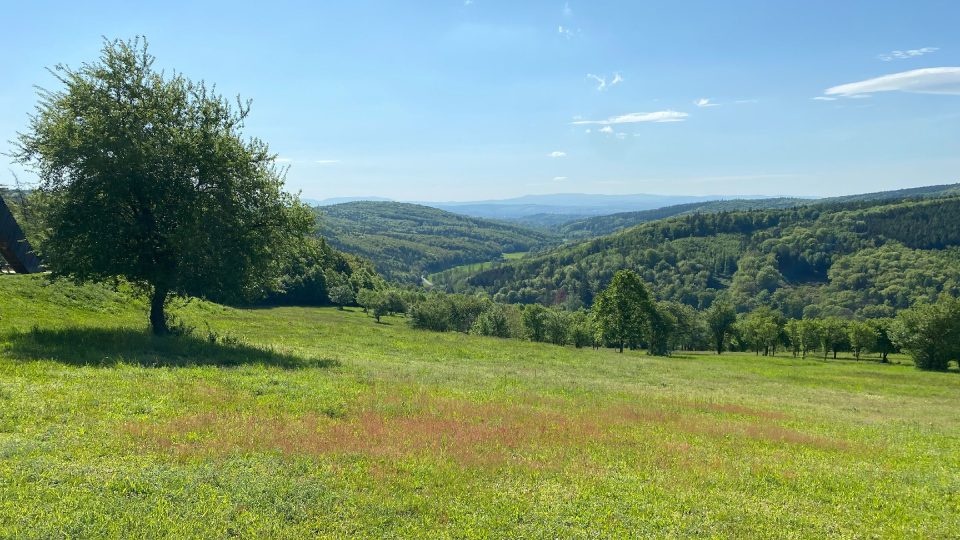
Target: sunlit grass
column 298, row 422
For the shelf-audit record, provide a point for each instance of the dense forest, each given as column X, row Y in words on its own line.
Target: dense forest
column 406, row 241
column 852, row 259
column 602, row 225
column 595, row 226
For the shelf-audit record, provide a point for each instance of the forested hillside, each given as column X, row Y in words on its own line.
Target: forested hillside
column 406, row 241
column 595, row 226
column 602, row 225
column 865, row 258
column 924, row 192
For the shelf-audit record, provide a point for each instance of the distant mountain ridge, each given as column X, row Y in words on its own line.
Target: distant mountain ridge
column 546, row 210
column 565, row 204
column 340, row 200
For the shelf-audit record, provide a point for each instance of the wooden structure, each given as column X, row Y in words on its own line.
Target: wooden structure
column 14, row 248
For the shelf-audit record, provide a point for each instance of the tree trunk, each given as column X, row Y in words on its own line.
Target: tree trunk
column 158, row 318
column 621, row 347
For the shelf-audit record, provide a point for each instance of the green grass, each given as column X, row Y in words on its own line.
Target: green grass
column 515, row 255
column 473, row 268
column 298, row 422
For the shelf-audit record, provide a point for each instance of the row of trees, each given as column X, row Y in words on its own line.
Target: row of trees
column 625, row 315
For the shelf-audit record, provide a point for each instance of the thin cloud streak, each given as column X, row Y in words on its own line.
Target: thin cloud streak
column 938, row 80
column 639, row 117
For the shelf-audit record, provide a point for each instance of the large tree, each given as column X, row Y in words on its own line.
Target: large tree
column 720, row 318
column 147, row 178
column 623, row 311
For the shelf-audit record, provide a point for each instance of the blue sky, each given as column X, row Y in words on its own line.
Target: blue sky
column 482, row 99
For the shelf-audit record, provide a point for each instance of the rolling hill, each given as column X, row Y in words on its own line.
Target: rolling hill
column 595, row 226
column 607, row 224
column 864, row 258
column 405, row 241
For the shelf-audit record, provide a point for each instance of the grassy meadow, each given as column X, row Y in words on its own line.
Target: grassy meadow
column 303, row 422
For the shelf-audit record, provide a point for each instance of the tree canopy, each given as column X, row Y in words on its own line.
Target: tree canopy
column 146, row 177
column 623, row 311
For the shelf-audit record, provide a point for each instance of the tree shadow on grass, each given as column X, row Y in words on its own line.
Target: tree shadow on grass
column 104, row 347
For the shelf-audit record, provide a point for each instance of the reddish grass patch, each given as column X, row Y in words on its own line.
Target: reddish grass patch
column 528, row 432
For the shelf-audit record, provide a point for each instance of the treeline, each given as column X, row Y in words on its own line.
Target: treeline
column 849, row 260
column 625, row 316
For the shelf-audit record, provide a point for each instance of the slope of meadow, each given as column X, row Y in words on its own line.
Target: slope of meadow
column 296, row 422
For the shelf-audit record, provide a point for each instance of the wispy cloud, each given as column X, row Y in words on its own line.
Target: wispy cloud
column 326, row 161
column 606, row 129
column 705, row 102
column 602, row 80
column 939, row 80
column 567, row 10
column 824, row 98
column 559, row 178
column 904, row 55
column 557, row 154
column 638, row 117
column 564, row 31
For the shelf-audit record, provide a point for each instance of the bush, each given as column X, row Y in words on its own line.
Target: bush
column 432, row 313
column 493, row 322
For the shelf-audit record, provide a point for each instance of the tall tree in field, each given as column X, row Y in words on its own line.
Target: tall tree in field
column 534, row 321
column 810, row 330
column 883, row 344
column 833, row 335
column 623, row 311
column 720, row 318
column 792, row 330
column 147, row 177
column 862, row 337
